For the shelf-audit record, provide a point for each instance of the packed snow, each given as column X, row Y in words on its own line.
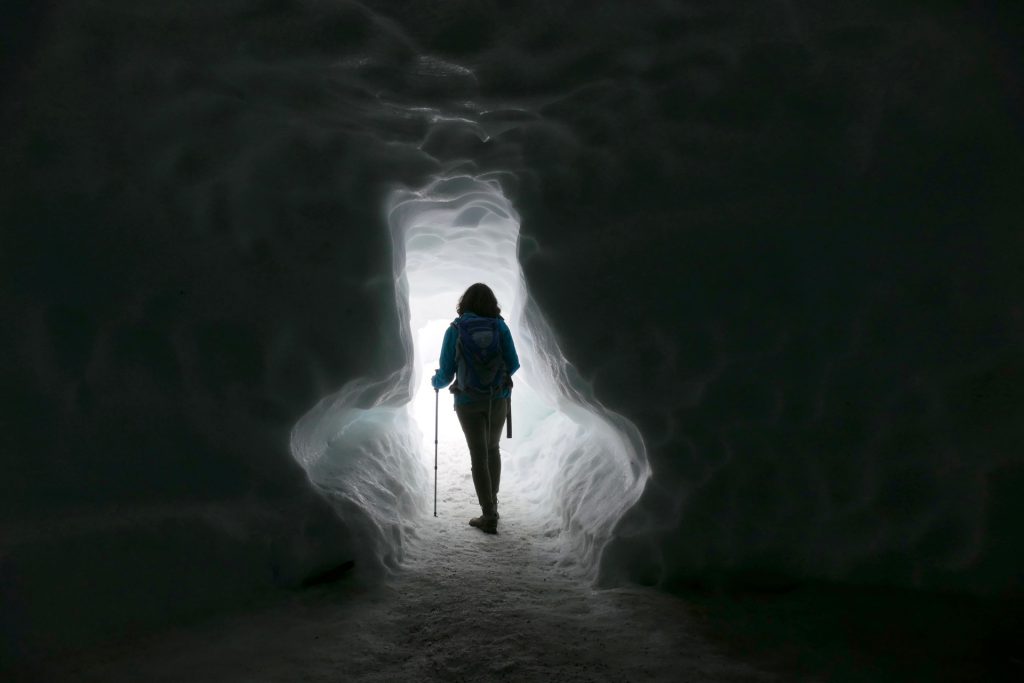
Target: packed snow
column 466, row 606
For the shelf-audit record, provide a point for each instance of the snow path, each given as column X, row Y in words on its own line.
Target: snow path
column 469, row 606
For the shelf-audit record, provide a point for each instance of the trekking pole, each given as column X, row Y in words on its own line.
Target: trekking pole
column 509, row 411
column 437, row 398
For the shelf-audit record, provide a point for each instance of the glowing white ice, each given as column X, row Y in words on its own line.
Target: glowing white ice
column 578, row 465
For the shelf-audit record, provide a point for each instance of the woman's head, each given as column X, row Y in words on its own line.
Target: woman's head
column 479, row 299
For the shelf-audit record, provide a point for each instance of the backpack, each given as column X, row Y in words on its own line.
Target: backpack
column 480, row 366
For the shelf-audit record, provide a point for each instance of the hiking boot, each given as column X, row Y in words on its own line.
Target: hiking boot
column 487, row 524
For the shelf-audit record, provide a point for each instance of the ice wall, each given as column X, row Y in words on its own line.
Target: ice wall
column 192, row 258
column 779, row 238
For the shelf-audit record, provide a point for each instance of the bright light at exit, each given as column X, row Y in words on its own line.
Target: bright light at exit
column 573, row 462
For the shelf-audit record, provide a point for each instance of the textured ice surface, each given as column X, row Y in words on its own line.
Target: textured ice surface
column 365, row 459
column 780, row 240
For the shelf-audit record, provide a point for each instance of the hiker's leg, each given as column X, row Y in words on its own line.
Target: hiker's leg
column 473, row 418
column 499, row 409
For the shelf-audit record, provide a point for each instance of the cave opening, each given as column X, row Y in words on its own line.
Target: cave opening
column 576, row 469
column 572, row 466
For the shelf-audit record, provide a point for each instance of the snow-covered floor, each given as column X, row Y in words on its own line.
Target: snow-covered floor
column 468, row 606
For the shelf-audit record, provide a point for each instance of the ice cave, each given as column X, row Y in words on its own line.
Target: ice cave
column 760, row 260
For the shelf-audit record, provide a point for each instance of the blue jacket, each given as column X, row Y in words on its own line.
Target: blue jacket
column 444, row 376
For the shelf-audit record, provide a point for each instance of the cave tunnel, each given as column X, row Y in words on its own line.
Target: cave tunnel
column 578, row 467
column 761, row 262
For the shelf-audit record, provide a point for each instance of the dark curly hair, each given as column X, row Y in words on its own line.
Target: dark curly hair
column 479, row 299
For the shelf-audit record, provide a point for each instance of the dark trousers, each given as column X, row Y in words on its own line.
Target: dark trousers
column 482, row 439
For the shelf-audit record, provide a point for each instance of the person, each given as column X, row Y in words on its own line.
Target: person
column 481, row 418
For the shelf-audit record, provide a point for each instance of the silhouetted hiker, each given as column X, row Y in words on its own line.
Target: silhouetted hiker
column 478, row 351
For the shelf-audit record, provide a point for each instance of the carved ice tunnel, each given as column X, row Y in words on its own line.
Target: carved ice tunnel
column 578, row 465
